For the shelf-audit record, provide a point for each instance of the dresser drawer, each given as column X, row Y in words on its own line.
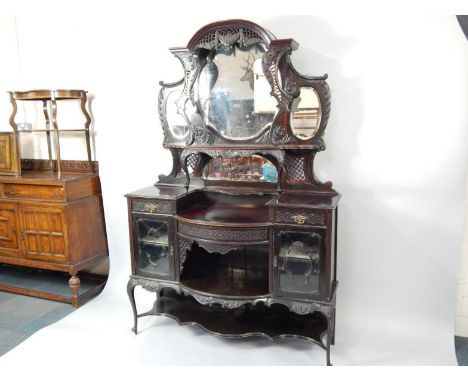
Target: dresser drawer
column 223, row 234
column 33, row 192
column 152, row 206
column 300, row 216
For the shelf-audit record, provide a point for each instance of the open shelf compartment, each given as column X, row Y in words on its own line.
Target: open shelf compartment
column 239, row 272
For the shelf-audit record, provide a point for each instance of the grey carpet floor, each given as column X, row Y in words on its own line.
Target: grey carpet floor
column 461, row 347
column 21, row 316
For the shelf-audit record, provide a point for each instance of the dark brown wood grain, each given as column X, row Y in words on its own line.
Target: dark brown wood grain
column 234, row 244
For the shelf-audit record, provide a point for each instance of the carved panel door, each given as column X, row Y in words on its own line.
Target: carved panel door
column 43, row 232
column 8, row 229
column 298, row 262
column 154, row 255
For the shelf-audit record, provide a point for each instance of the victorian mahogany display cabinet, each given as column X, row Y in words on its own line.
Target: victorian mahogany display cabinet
column 240, row 237
column 51, row 210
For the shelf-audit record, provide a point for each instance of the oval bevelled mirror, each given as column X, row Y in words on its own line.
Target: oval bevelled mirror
column 247, row 169
column 233, row 93
column 305, row 114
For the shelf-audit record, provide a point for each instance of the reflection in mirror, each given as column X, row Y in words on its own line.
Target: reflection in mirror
column 247, row 169
column 178, row 125
column 233, row 93
column 305, row 114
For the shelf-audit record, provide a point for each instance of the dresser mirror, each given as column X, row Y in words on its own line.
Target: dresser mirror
column 177, row 118
column 233, row 94
column 305, row 114
column 240, row 237
column 245, row 169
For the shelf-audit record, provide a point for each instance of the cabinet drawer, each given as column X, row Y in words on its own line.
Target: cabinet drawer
column 300, row 217
column 223, row 234
column 33, row 191
column 152, row 206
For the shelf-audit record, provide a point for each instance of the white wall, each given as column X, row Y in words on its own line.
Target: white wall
column 461, row 322
column 396, row 139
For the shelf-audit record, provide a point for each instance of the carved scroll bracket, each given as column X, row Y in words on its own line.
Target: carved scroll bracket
column 184, row 246
column 271, row 61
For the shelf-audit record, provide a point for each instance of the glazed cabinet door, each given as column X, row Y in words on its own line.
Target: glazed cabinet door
column 154, row 255
column 43, row 232
column 8, row 230
column 298, row 262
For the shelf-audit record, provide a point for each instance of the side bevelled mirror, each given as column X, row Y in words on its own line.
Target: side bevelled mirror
column 305, row 114
column 176, row 120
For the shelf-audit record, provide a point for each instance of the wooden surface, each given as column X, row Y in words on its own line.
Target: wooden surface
column 52, row 223
column 221, row 208
column 226, row 217
column 273, row 322
column 46, row 94
column 8, row 160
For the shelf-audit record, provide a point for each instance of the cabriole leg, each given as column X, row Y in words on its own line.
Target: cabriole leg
column 131, row 295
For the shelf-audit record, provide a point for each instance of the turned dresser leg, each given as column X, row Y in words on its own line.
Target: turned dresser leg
column 74, row 284
column 131, row 295
column 329, row 338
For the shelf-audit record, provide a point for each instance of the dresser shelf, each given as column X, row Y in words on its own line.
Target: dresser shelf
column 275, row 322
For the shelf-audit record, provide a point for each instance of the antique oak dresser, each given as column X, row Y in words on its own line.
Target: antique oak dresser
column 240, row 237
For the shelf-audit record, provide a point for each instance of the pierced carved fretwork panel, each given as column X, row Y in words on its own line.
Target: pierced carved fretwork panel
column 224, row 234
column 192, row 162
column 227, row 36
column 295, row 167
column 184, row 246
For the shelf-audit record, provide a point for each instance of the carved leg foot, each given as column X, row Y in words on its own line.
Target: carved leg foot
column 74, row 284
column 131, row 295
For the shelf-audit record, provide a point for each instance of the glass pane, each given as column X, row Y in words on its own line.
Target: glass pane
column 233, row 93
column 152, row 231
column 299, row 262
column 176, row 119
column 247, row 169
column 154, row 258
column 305, row 114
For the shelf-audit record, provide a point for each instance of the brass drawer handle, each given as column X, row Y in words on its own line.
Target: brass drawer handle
column 10, row 192
column 152, row 208
column 299, row 219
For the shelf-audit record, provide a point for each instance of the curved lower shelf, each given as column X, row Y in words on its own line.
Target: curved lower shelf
column 274, row 322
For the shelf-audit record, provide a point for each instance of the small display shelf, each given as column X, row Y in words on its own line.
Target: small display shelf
column 49, row 100
column 162, row 241
column 205, row 206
